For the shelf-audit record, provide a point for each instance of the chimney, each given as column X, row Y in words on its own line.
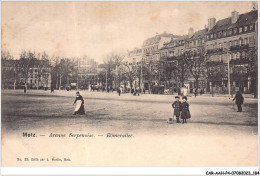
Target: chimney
column 211, row 23
column 234, row 17
column 254, row 5
column 190, row 32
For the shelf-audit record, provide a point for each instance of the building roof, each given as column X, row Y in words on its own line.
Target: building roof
column 243, row 19
column 156, row 39
column 199, row 34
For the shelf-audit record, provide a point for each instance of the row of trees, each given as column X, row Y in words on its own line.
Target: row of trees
column 117, row 71
column 63, row 70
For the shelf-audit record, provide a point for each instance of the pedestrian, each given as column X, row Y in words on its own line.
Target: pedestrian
column 52, row 89
column 24, row 89
column 239, row 101
column 144, row 90
column 185, row 112
column 176, row 105
column 79, row 105
column 119, row 91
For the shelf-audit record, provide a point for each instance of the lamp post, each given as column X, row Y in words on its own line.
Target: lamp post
column 229, row 74
column 106, row 80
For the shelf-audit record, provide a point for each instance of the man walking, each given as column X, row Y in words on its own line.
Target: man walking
column 239, row 101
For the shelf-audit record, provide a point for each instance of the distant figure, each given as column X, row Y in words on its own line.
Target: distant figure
column 119, row 91
column 176, row 105
column 138, row 91
column 239, row 101
column 52, row 90
column 24, row 89
column 195, row 94
column 79, row 105
column 144, row 90
column 185, row 112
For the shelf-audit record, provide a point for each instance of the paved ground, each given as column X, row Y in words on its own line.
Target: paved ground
column 214, row 126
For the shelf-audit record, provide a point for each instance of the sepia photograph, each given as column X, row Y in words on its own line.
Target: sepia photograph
column 129, row 83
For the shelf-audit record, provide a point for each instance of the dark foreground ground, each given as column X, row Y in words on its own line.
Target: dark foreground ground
column 214, row 128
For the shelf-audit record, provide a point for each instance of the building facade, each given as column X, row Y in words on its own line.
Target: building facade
column 87, row 72
column 229, row 45
column 34, row 74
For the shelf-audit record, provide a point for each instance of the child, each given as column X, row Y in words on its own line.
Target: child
column 185, row 112
column 177, row 108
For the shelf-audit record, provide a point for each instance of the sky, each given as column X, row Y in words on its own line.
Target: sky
column 95, row 29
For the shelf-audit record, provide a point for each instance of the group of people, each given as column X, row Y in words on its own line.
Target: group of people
column 181, row 110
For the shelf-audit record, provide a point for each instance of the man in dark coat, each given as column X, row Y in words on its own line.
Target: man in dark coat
column 239, row 101
column 24, row 89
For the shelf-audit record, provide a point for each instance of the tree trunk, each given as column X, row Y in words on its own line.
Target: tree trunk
column 131, row 86
column 197, row 85
column 57, row 81
column 212, row 91
column 149, row 87
column 37, row 84
column 256, row 84
column 14, row 84
column 60, row 83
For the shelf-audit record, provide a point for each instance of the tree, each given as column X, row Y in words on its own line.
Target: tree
column 111, row 65
column 252, row 57
column 196, row 64
column 65, row 69
column 27, row 62
column 129, row 73
column 150, row 71
column 174, row 68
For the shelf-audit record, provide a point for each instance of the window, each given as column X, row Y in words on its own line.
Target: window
column 238, row 55
column 240, row 30
column 230, row 32
column 246, row 41
column 240, row 42
column 220, row 34
column 211, row 36
column 224, row 33
column 215, row 35
column 245, row 28
column 230, row 43
column 220, row 45
column 31, row 81
column 243, row 54
column 251, row 27
column 235, row 30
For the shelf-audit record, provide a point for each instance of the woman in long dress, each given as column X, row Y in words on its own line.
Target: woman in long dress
column 79, row 105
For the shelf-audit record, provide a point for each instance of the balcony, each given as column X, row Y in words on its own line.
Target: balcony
column 213, row 51
column 213, row 63
column 239, row 47
column 239, row 61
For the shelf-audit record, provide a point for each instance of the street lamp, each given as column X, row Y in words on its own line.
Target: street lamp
column 229, row 73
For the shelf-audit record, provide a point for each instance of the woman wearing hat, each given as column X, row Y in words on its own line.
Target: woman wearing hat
column 79, row 105
column 185, row 112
